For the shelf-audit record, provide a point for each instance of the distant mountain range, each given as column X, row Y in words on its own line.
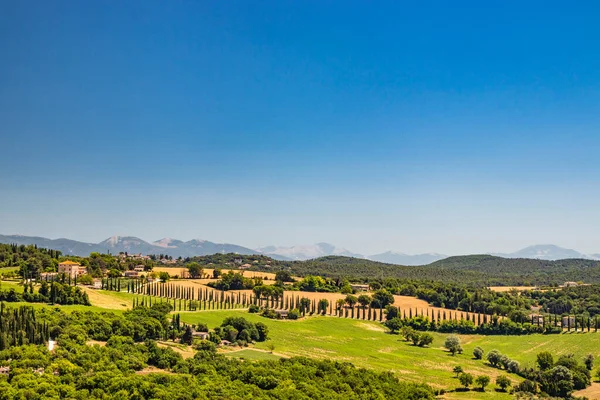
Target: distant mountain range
column 197, row 247
column 306, row 252
column 130, row 244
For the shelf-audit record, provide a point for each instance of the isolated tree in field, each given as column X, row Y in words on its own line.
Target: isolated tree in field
column 466, row 380
column 195, row 270
column 452, row 343
column 503, row 382
column 482, row 381
column 478, row 353
column 270, row 346
column 545, row 360
column 217, row 273
column 457, row 370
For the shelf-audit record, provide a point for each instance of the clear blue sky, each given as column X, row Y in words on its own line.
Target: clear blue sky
column 431, row 126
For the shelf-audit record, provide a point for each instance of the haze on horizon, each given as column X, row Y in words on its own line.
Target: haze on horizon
column 413, row 128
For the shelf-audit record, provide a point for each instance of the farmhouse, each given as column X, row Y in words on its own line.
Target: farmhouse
column 97, row 284
column 130, row 274
column 225, row 343
column 139, row 268
column 282, row 313
column 71, row 268
column 570, row 284
column 359, row 287
column 201, row 335
column 245, row 266
column 48, row 276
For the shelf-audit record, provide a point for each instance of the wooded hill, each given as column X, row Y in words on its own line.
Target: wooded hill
column 481, row 270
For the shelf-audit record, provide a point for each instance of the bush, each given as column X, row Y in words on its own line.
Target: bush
column 294, row 314
column 478, row 353
column 494, row 358
column 453, row 344
column 425, row 339
column 253, row 308
column 201, row 327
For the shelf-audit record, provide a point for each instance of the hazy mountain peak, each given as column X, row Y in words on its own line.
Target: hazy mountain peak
column 392, row 257
column 546, row 252
column 306, row 252
column 167, row 243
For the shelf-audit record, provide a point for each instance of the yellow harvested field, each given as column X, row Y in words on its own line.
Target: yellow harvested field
column 103, row 299
column 182, row 272
column 509, row 288
column 153, row 370
column 185, row 351
column 591, row 392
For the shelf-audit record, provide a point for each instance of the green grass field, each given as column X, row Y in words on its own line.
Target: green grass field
column 7, row 285
column 251, row 354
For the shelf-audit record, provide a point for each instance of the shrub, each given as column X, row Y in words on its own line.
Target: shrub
column 514, row 367
column 452, row 343
column 478, row 353
column 253, row 308
column 294, row 314
column 494, row 357
column 425, row 339
column 201, row 327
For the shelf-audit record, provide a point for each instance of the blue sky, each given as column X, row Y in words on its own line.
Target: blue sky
column 437, row 126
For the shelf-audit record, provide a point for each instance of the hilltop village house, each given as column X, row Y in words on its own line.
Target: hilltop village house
column 359, row 288
column 71, row 268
